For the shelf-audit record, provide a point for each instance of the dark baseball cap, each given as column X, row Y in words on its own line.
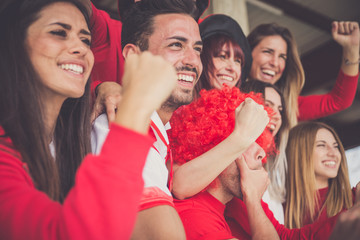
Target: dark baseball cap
column 223, row 24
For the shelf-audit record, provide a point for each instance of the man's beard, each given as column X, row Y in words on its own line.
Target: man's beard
column 180, row 97
column 177, row 100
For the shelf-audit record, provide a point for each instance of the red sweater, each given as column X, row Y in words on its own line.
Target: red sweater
column 236, row 217
column 322, row 216
column 102, row 204
column 341, row 97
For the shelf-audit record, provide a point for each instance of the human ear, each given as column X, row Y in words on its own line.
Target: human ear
column 130, row 49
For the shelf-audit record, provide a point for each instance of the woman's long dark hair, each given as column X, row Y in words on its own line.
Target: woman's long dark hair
column 21, row 110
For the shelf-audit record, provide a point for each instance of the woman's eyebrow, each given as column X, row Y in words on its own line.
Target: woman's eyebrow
column 68, row 27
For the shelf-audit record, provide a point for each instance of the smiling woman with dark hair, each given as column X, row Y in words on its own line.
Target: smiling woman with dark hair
column 46, row 190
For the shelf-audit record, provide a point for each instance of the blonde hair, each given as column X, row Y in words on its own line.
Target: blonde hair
column 277, row 168
column 302, row 197
column 293, row 77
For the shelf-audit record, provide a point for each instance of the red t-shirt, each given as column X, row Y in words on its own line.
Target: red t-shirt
column 237, row 218
column 203, row 217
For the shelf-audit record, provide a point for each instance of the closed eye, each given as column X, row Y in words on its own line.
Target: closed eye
column 268, row 51
column 269, row 103
column 283, row 56
column 60, row 32
column 87, row 41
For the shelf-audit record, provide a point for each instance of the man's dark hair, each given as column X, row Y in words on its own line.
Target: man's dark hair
column 138, row 21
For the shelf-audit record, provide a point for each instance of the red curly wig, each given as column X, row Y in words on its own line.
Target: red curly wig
column 201, row 125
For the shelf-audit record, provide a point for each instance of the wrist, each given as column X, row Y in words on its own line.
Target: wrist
column 239, row 142
column 348, row 62
column 252, row 203
column 351, row 55
column 133, row 117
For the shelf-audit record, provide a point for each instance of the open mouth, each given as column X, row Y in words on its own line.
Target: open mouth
column 268, row 72
column 185, row 78
column 74, row 68
column 271, row 127
column 329, row 163
column 225, row 78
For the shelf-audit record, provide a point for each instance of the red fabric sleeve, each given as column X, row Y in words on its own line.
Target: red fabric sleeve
column 341, row 97
column 106, row 46
column 236, row 216
column 102, row 204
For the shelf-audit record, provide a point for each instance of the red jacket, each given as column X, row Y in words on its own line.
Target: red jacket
column 106, row 46
column 341, row 97
column 102, row 204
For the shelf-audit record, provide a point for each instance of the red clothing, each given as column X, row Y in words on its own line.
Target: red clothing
column 236, row 217
column 109, row 66
column 323, row 215
column 341, row 97
column 102, row 204
column 106, row 46
column 203, row 217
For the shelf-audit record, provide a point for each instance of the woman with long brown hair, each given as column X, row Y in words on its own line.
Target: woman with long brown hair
column 47, row 190
column 276, row 60
column 317, row 182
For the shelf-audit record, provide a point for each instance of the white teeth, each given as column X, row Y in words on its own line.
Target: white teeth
column 269, row 72
column 272, row 126
column 329, row 163
column 72, row 67
column 185, row 78
column 227, row 78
